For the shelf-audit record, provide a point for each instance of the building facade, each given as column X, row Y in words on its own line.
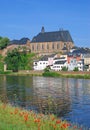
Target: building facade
column 51, row 42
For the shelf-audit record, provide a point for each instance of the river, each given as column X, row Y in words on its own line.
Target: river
column 68, row 98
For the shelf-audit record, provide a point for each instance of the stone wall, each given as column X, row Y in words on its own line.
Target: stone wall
column 41, row 48
column 50, row 47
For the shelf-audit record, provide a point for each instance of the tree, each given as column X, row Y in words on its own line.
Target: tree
column 12, row 60
column 3, row 42
column 23, row 61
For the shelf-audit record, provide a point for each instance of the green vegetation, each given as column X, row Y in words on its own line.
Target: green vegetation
column 12, row 60
column 78, row 76
column 76, row 69
column 51, row 74
column 1, row 64
column 19, row 61
column 14, row 118
column 47, row 69
column 3, row 42
column 64, row 69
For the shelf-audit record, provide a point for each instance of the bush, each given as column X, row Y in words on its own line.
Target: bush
column 51, row 74
column 76, row 69
column 64, row 68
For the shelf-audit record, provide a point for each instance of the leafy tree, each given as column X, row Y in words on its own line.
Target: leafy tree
column 16, row 60
column 3, row 42
column 12, row 60
column 23, row 61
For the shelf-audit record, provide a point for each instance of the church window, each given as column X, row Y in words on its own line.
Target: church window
column 37, row 47
column 58, row 45
column 47, row 46
column 32, row 47
column 42, row 47
column 52, row 45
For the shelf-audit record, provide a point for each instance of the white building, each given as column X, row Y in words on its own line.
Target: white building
column 44, row 62
column 75, row 64
column 40, row 64
column 58, row 65
column 80, row 65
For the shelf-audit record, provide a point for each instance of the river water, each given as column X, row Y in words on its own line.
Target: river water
column 68, row 98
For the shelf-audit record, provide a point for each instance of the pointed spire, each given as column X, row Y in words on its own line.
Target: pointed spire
column 42, row 30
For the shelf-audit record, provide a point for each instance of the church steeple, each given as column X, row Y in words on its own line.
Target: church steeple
column 42, row 30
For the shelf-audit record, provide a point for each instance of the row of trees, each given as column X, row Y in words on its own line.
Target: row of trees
column 4, row 42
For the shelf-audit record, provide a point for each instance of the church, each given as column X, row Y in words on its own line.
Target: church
column 51, row 42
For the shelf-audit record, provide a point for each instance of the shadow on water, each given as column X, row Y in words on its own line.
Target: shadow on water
column 67, row 98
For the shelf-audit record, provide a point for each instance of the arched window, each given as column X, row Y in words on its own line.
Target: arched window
column 32, row 47
column 42, row 47
column 52, row 45
column 37, row 46
column 58, row 46
column 47, row 46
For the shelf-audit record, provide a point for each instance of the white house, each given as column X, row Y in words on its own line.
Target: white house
column 40, row 64
column 44, row 62
column 80, row 65
column 74, row 63
column 58, row 65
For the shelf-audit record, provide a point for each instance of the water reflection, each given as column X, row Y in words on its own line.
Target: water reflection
column 68, row 98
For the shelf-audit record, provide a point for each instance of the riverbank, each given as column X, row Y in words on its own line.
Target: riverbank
column 14, row 118
column 67, row 74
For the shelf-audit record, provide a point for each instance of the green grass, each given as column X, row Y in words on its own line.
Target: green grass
column 56, row 74
column 12, row 118
column 51, row 74
column 6, row 72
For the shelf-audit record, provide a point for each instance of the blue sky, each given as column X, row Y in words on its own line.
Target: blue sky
column 24, row 18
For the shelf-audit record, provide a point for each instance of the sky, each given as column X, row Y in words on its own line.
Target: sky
column 25, row 18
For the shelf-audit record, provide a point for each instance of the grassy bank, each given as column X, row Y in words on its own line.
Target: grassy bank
column 67, row 75
column 80, row 75
column 12, row 118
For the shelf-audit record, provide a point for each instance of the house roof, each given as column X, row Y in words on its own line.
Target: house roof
column 73, row 54
column 62, row 35
column 44, row 58
column 60, row 62
column 59, row 58
column 21, row 41
column 81, row 51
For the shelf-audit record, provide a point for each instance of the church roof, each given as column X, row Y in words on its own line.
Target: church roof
column 62, row 35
